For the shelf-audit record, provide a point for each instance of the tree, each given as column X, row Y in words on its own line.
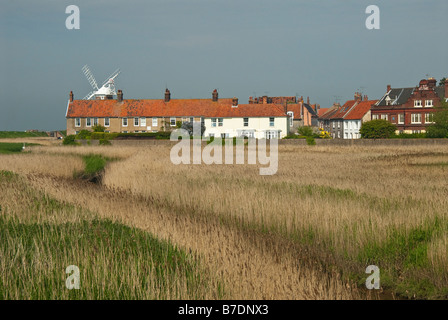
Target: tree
column 98, row 128
column 442, row 81
column 440, row 118
column 305, row 131
column 189, row 127
column 377, row 129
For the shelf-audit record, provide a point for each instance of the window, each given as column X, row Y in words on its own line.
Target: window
column 76, row 132
column 416, row 118
column 125, row 132
column 339, row 134
column 213, row 122
column 154, row 122
column 429, row 118
column 291, row 118
column 334, row 124
column 135, row 122
column 375, row 116
column 211, row 135
column 125, row 122
column 88, row 122
column 417, row 103
column 106, row 122
column 143, row 122
column 271, row 121
column 401, row 118
column 416, row 131
column 246, row 122
column 428, row 103
column 339, row 124
column 384, row 117
column 77, row 122
column 173, row 121
column 220, row 122
column 95, row 121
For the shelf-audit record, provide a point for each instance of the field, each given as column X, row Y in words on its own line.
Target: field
column 140, row 227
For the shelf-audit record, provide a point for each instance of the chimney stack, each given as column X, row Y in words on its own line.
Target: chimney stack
column 71, row 96
column 446, row 88
column 235, row 102
column 358, row 96
column 251, row 100
column 388, row 88
column 167, row 95
column 119, row 96
column 265, row 99
column 307, row 100
column 215, row 95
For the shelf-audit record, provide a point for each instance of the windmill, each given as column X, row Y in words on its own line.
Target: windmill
column 107, row 89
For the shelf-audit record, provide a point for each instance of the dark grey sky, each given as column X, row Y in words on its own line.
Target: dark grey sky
column 318, row 48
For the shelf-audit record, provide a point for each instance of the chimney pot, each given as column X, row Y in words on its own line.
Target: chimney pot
column 215, row 95
column 167, row 95
column 71, row 96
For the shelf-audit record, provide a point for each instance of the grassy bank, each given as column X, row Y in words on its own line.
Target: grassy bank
column 21, row 134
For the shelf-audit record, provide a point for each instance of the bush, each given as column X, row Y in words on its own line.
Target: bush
column 98, row 128
column 310, row 141
column 84, row 134
column 305, row 131
column 377, row 129
column 70, row 140
column 104, row 142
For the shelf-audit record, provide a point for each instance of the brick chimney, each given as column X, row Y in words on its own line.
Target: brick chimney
column 388, row 88
column 235, row 102
column 265, row 99
column 358, row 96
column 446, row 88
column 120, row 96
column 167, row 95
column 366, row 98
column 251, row 100
column 215, row 95
column 307, row 100
column 71, row 96
column 432, row 82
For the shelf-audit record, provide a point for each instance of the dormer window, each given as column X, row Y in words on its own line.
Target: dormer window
column 418, row 103
column 428, row 103
column 388, row 101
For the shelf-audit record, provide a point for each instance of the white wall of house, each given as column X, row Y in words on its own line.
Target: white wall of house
column 257, row 127
column 351, row 129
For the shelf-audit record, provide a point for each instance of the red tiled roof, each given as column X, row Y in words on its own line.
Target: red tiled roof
column 322, row 111
column 295, row 108
column 174, row 108
column 360, row 110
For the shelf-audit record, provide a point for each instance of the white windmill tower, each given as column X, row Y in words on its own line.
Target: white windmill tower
column 107, row 89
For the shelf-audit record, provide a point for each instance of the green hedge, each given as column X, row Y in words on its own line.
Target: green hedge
column 88, row 135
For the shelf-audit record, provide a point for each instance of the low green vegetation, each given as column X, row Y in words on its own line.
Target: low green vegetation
column 115, row 262
column 7, row 148
column 41, row 237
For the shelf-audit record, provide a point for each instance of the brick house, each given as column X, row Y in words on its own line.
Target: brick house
column 410, row 109
column 221, row 117
column 344, row 122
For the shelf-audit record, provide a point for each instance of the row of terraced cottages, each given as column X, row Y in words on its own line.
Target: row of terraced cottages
column 221, row 117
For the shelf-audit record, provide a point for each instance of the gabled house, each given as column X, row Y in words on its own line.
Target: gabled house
column 344, row 122
column 411, row 109
column 299, row 113
column 221, row 117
